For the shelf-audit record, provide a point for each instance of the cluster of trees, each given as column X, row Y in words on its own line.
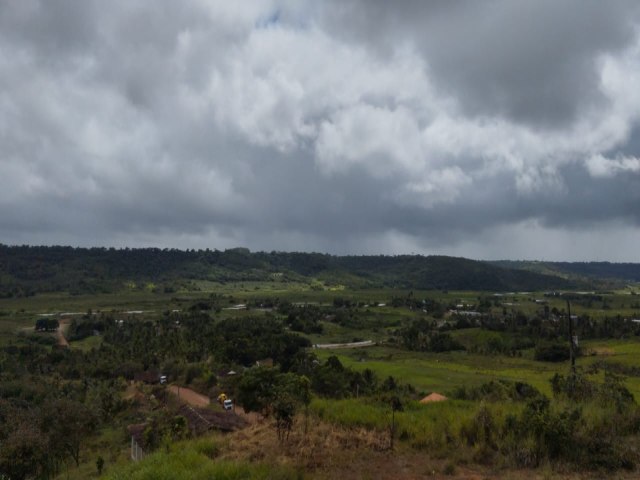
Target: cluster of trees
column 304, row 318
column 191, row 346
column 281, row 394
column 588, row 424
column 40, row 436
column 195, row 337
column 552, row 352
column 47, row 324
column 576, row 386
column 427, row 305
column 86, row 326
column 273, row 393
column 422, row 335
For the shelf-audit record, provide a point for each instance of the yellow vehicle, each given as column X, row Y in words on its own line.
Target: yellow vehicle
column 225, row 401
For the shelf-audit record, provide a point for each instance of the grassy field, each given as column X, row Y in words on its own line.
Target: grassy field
column 87, row 344
column 430, row 372
column 196, row 461
column 443, row 372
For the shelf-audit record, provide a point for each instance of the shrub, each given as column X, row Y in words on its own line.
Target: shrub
column 497, row 390
column 554, row 352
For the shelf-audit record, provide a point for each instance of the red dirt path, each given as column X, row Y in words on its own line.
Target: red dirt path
column 189, row 396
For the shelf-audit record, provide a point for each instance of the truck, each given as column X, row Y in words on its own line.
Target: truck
column 225, row 401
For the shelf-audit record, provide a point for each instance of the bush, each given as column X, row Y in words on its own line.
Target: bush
column 497, row 390
column 554, row 352
column 576, row 386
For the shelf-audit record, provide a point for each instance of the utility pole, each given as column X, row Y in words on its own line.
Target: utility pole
column 572, row 355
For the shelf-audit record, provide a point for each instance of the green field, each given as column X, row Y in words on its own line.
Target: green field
column 443, row 372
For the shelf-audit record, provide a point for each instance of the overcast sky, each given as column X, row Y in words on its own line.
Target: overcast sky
column 486, row 129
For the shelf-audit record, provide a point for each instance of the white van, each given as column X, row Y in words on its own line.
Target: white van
column 227, row 404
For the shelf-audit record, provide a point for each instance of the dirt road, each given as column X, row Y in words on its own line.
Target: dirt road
column 189, row 396
column 195, row 399
column 62, row 328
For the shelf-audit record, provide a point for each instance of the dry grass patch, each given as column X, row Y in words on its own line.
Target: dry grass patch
column 330, row 451
column 322, row 445
column 601, row 351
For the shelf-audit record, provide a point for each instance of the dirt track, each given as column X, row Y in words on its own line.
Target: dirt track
column 62, row 328
column 189, row 396
column 195, row 399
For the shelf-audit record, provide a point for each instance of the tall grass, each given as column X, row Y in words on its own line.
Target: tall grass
column 193, row 460
column 433, row 426
column 503, row 433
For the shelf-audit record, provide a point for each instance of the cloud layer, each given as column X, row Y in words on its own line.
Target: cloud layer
column 489, row 130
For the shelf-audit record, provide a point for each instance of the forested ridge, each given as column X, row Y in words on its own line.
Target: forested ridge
column 26, row 270
column 603, row 271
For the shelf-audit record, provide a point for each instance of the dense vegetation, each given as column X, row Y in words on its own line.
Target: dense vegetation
column 616, row 273
column 28, row 270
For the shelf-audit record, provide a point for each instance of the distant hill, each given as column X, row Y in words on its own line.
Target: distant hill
column 26, row 270
column 613, row 274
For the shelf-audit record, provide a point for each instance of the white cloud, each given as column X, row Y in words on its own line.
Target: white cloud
column 600, row 166
column 381, row 140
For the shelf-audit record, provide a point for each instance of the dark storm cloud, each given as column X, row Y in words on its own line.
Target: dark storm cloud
column 533, row 62
column 480, row 129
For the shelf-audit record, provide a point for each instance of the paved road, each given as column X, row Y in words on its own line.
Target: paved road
column 365, row 343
